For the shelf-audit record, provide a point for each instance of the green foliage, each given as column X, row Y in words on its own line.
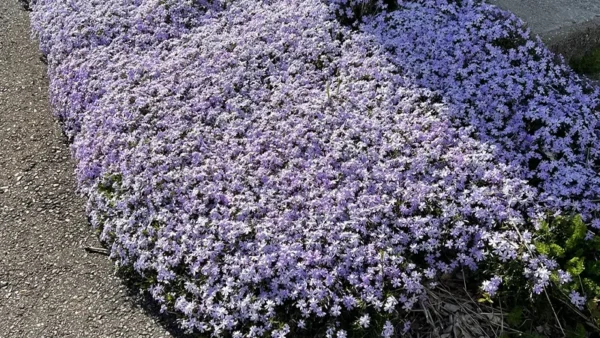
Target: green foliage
column 110, row 185
column 593, row 268
column 587, row 64
column 509, row 42
column 564, row 239
column 578, row 332
column 515, row 316
column 575, row 266
column 550, row 250
column 485, row 298
column 577, row 229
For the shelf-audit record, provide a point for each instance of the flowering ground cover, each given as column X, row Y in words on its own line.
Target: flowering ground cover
column 312, row 168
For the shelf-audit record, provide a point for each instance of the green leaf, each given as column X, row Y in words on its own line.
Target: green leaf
column 591, row 287
column 515, row 317
column 542, row 248
column 595, row 243
column 593, row 308
column 593, row 268
column 575, row 266
column 579, row 230
column 556, row 250
column 578, row 332
column 551, row 250
column 485, row 298
column 544, row 228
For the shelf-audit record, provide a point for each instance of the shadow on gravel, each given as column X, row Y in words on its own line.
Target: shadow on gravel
column 144, row 300
column 152, row 309
column 26, row 5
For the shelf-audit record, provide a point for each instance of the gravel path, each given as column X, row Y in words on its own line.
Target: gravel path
column 49, row 286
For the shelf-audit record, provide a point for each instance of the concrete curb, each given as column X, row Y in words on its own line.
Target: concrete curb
column 568, row 27
column 575, row 40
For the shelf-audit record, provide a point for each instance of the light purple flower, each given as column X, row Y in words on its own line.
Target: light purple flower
column 406, row 327
column 388, row 330
column 364, row 321
column 264, row 153
column 577, row 299
column 564, row 277
column 491, row 286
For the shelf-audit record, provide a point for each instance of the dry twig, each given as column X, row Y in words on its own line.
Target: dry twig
column 100, row 251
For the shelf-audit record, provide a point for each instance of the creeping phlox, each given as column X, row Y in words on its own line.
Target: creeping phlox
column 493, row 77
column 266, row 167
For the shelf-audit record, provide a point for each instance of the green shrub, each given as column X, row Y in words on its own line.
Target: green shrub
column 565, row 240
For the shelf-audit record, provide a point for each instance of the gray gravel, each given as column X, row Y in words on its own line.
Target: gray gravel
column 49, row 286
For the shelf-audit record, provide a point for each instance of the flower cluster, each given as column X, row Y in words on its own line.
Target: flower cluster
column 491, row 286
column 577, row 299
column 266, row 167
column 509, row 88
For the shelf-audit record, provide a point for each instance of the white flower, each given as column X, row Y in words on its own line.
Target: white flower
column 364, row 321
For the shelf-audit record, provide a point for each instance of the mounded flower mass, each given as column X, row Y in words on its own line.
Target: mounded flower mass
column 270, row 170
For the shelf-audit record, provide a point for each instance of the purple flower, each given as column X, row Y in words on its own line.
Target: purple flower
column 589, row 235
column 364, row 321
column 577, row 299
column 388, row 330
column 406, row 327
column 264, row 153
column 564, row 277
column 335, row 310
column 491, row 286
